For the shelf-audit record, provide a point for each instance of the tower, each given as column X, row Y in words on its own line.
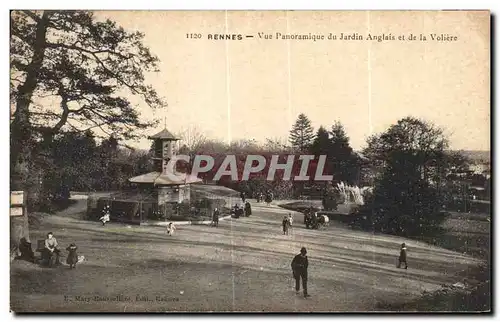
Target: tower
column 164, row 150
column 166, row 188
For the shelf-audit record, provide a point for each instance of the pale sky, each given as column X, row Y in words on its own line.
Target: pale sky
column 255, row 88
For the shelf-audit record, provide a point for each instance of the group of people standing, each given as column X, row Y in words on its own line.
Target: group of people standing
column 268, row 197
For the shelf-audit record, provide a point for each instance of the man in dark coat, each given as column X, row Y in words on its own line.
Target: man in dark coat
column 402, row 256
column 299, row 269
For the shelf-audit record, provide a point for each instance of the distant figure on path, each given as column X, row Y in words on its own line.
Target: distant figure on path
column 299, row 269
column 269, row 197
column 290, row 219
column 248, row 209
column 237, row 211
column 72, row 258
column 242, row 196
column 323, row 220
column 286, row 224
column 215, row 218
column 170, row 229
column 105, row 218
column 402, row 256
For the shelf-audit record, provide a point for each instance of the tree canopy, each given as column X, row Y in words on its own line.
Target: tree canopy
column 71, row 71
column 90, row 69
column 406, row 199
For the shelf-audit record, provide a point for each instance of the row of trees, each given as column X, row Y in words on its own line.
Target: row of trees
column 74, row 161
column 413, row 172
column 343, row 163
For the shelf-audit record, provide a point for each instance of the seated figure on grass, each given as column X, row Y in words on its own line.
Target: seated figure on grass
column 50, row 255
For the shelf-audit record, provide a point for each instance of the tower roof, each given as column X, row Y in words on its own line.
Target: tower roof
column 164, row 135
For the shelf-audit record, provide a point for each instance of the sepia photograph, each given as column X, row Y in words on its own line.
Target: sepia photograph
column 250, row 161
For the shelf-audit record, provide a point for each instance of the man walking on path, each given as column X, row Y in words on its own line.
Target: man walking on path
column 402, row 256
column 299, row 269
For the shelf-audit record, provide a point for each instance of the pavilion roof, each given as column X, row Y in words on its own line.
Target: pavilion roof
column 163, row 134
column 159, row 179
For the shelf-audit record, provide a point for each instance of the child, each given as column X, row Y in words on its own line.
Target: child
column 170, row 229
column 290, row 219
column 72, row 256
column 402, row 256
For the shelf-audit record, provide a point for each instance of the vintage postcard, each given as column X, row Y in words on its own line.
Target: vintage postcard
column 250, row 161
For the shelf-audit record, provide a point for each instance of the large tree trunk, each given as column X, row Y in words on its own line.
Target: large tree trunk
column 21, row 135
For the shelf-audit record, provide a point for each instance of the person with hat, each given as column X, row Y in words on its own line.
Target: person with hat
column 299, row 269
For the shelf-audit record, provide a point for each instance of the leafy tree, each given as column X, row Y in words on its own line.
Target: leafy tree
column 406, row 198
column 301, row 134
column 68, row 163
column 90, row 68
column 403, row 205
column 423, row 144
